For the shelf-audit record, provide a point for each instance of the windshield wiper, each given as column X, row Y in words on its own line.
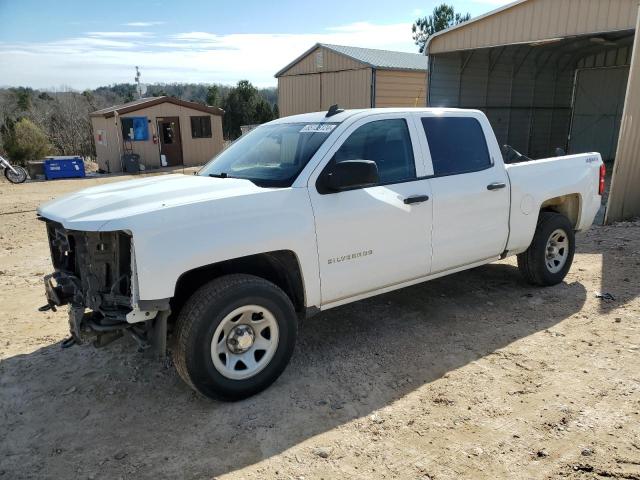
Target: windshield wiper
column 219, row 175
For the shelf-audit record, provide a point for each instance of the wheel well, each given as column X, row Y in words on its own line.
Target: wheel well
column 280, row 267
column 567, row 205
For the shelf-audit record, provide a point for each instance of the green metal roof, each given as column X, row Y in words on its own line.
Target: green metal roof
column 381, row 59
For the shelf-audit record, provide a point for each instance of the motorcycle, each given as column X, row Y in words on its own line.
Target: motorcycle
column 13, row 174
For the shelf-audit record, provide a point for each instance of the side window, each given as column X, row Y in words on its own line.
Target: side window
column 135, row 128
column 201, row 127
column 457, row 145
column 386, row 142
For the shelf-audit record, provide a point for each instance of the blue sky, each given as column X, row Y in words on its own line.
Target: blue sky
column 81, row 44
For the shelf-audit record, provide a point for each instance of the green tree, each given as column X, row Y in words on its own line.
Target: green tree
column 442, row 18
column 246, row 91
column 23, row 98
column 237, row 113
column 24, row 141
column 263, row 111
column 213, row 95
column 243, row 105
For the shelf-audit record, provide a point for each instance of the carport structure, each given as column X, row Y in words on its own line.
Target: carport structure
column 549, row 74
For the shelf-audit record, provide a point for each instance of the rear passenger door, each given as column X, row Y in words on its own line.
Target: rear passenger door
column 374, row 237
column 470, row 191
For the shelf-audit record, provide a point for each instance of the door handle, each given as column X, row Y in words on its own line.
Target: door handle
column 416, row 199
column 496, row 186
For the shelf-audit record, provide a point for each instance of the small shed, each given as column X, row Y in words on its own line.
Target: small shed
column 163, row 131
column 352, row 77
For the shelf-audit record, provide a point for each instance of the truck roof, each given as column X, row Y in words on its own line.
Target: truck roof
column 318, row 117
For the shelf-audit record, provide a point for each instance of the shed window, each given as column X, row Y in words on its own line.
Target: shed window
column 457, row 145
column 135, row 128
column 201, row 127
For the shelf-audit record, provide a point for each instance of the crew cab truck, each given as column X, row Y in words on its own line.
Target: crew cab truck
column 301, row 215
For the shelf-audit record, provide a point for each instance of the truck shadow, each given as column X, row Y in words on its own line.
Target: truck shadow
column 616, row 246
column 110, row 413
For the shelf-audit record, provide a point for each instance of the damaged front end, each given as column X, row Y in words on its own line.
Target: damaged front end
column 94, row 275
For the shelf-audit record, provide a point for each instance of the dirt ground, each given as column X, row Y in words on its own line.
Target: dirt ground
column 477, row 375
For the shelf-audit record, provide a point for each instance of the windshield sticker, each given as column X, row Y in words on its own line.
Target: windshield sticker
column 318, row 128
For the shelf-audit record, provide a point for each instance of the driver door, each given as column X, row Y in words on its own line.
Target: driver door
column 380, row 236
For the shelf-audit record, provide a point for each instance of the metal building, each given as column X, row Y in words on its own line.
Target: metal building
column 352, row 77
column 162, row 131
column 548, row 74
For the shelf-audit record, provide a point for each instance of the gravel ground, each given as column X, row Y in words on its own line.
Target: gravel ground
column 476, row 375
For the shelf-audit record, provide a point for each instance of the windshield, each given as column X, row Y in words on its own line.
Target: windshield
column 270, row 155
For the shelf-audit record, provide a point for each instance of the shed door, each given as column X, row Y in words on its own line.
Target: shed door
column 598, row 105
column 170, row 140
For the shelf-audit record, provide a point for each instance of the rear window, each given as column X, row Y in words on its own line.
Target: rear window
column 457, row 145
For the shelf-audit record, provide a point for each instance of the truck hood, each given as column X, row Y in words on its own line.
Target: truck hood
column 92, row 208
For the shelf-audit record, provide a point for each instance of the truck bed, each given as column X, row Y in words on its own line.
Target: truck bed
column 568, row 183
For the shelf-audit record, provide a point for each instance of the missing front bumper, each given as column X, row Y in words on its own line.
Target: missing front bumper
column 94, row 278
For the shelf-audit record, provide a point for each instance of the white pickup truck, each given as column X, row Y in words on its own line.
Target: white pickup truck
column 300, row 215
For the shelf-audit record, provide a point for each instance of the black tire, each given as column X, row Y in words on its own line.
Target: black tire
column 19, row 177
column 201, row 316
column 533, row 262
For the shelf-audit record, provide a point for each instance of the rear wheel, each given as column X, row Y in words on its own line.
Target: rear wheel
column 550, row 255
column 234, row 337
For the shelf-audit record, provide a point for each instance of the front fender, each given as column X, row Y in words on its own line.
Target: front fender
column 171, row 242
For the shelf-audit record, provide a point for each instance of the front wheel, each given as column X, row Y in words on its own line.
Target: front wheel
column 550, row 255
column 19, row 176
column 234, row 337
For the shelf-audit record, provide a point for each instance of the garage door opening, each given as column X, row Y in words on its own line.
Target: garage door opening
column 597, row 110
column 566, row 93
column 539, row 95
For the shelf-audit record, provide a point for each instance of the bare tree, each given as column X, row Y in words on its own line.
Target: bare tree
column 69, row 126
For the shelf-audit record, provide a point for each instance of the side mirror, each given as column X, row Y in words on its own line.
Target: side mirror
column 352, row 174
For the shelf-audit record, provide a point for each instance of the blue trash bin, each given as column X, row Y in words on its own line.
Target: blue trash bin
column 63, row 167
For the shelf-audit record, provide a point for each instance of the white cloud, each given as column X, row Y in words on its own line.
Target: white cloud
column 143, row 24
column 101, row 57
column 119, row 34
column 195, row 36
